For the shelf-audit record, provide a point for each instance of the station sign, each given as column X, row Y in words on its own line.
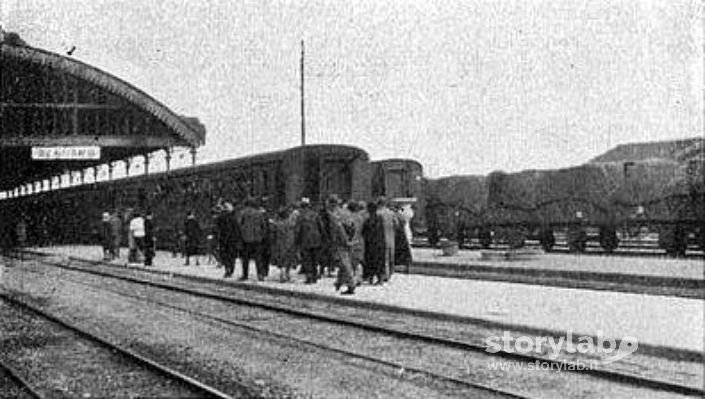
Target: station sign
column 66, row 153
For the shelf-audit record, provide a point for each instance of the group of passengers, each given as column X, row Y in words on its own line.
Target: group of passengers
column 140, row 237
column 361, row 241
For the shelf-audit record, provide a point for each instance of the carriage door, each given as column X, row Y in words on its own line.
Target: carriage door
column 336, row 178
column 394, row 182
column 312, row 181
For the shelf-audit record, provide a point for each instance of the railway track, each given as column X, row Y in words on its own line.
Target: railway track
column 242, row 318
column 61, row 359
column 12, row 385
column 276, row 306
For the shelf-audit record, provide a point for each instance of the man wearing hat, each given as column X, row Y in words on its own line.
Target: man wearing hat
column 229, row 238
column 340, row 244
column 308, row 238
column 253, row 227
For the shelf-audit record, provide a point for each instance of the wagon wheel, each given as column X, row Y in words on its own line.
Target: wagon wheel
column 608, row 238
column 547, row 239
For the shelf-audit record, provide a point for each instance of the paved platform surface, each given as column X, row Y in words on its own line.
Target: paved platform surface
column 662, row 321
column 633, row 266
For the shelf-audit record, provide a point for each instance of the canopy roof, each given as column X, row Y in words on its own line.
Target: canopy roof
column 48, row 100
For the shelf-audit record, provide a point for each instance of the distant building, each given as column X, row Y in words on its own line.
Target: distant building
column 675, row 150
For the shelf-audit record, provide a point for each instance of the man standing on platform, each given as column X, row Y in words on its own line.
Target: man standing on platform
column 106, row 237
column 265, row 250
column 116, row 235
column 229, row 239
column 308, row 239
column 148, row 239
column 254, row 227
column 340, row 245
column 137, row 234
column 373, row 236
column 192, row 231
column 21, row 232
column 357, row 251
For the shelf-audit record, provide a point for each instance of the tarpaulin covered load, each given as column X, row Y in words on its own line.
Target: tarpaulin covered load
column 645, row 188
column 571, row 194
column 455, row 201
column 512, row 197
column 550, row 196
column 513, row 190
column 685, row 193
column 466, row 192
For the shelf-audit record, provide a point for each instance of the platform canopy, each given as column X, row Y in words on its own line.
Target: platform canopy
column 50, row 100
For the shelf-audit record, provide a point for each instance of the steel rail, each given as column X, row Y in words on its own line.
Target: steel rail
column 117, row 348
column 15, row 375
column 624, row 378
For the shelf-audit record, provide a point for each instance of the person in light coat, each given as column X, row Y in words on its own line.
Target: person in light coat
column 389, row 223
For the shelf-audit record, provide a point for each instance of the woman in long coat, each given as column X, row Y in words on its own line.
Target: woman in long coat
column 373, row 237
column 402, row 249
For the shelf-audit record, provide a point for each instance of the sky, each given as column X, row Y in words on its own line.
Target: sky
column 464, row 87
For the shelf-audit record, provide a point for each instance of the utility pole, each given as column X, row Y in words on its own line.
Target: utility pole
column 302, row 156
column 303, row 113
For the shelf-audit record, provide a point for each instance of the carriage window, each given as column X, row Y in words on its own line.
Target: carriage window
column 692, row 168
column 265, row 181
column 628, row 167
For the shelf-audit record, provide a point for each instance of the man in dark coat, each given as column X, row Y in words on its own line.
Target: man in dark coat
column 106, row 237
column 229, row 238
column 253, row 227
column 373, row 236
column 148, row 239
column 192, row 231
column 115, row 235
column 325, row 251
column 265, row 249
column 308, row 239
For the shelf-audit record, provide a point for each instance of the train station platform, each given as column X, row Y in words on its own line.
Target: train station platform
column 657, row 266
column 656, row 275
column 664, row 322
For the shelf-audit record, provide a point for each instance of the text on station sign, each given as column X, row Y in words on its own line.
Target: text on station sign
column 74, row 152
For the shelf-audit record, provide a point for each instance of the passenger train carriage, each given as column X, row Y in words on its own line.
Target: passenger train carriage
column 72, row 215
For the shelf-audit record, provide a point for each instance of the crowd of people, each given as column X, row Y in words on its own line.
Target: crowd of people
column 356, row 241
